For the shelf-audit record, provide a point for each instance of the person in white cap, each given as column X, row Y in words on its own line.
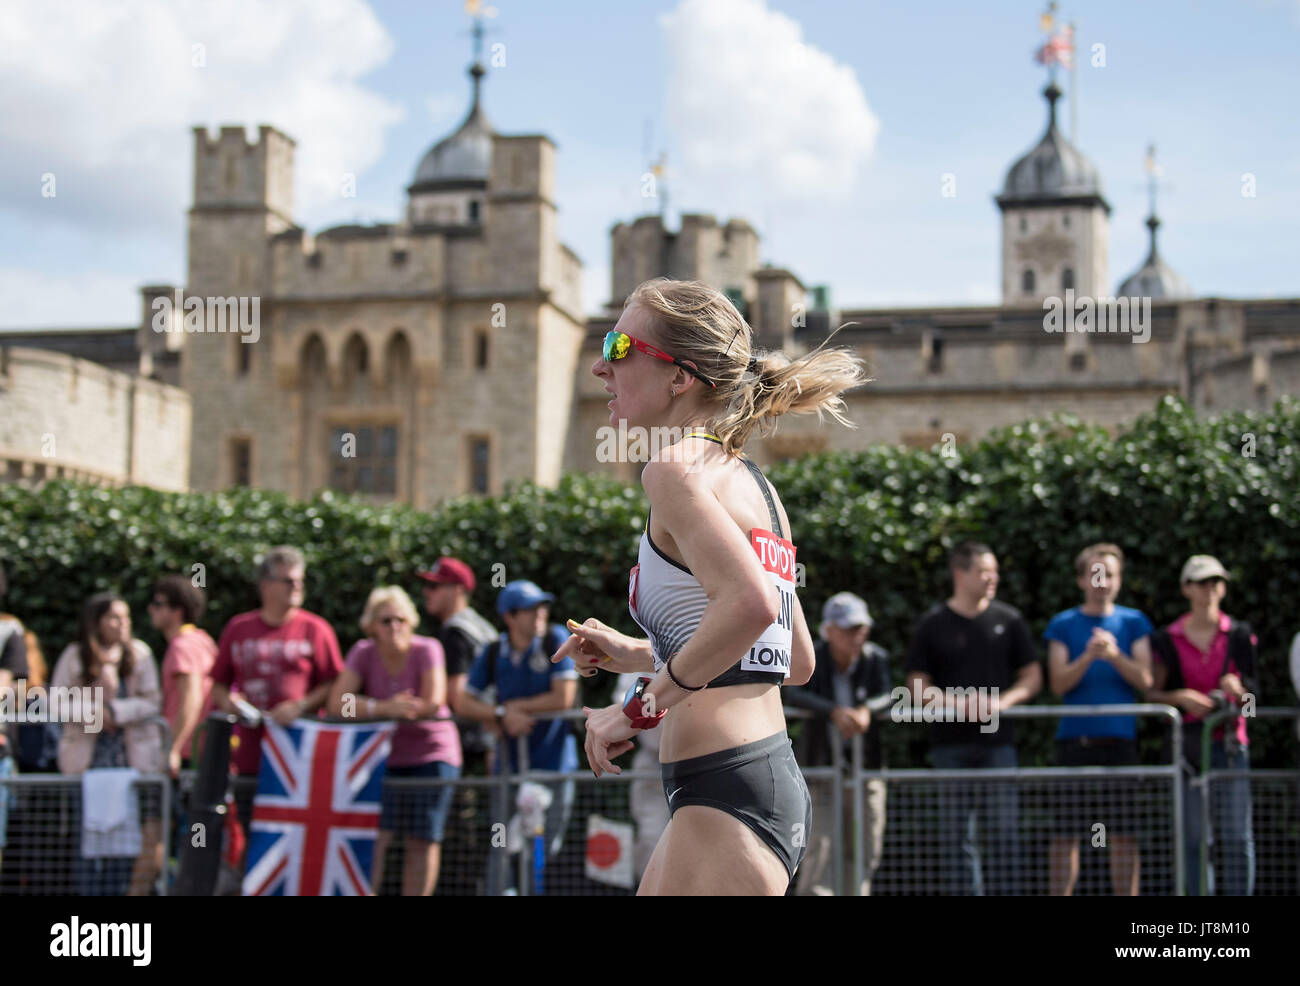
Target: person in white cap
column 1203, row 656
column 849, row 683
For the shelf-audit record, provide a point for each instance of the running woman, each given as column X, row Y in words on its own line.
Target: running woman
column 713, row 589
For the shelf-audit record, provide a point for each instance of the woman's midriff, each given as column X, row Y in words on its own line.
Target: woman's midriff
column 721, row 718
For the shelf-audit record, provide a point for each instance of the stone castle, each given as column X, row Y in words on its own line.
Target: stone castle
column 447, row 353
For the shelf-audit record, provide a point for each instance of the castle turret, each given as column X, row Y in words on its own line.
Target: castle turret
column 1155, row 279
column 1054, row 221
column 451, row 179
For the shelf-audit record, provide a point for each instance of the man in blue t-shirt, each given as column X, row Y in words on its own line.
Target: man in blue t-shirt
column 1098, row 654
column 511, row 681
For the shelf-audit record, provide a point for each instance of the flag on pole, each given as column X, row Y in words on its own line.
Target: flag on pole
column 316, row 811
column 1058, row 49
column 609, row 852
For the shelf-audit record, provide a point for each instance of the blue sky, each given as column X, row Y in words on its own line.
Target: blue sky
column 828, row 125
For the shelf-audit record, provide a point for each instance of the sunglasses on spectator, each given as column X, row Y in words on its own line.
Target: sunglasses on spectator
column 1210, row 581
column 619, row 344
column 159, row 602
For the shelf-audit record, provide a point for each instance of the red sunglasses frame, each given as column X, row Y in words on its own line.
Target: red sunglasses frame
column 657, row 353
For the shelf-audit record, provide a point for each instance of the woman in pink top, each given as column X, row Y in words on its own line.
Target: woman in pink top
column 1203, row 659
column 397, row 674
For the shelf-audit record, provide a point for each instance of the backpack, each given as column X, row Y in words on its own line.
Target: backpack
column 476, row 629
column 35, row 746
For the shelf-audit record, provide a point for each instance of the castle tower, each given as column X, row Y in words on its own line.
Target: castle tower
column 1054, row 221
column 722, row 256
column 243, row 194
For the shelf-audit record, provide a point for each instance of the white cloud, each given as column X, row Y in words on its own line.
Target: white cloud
column 754, row 106
column 39, row 299
column 103, row 97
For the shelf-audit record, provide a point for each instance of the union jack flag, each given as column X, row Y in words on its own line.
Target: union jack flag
column 316, row 810
column 1058, row 50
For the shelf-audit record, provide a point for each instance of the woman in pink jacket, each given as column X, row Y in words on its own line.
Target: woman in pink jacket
column 119, row 700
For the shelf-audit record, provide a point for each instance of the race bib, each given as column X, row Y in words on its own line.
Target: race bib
column 771, row 652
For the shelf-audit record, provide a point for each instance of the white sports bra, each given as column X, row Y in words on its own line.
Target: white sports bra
column 668, row 602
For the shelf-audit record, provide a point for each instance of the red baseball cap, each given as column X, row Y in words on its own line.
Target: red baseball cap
column 450, row 571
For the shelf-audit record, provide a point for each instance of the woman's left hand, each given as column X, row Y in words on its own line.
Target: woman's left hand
column 609, row 735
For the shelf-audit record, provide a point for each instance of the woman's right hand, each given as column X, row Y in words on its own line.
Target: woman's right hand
column 1197, row 703
column 594, row 646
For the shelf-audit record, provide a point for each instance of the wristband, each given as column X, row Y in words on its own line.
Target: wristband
column 499, row 712
column 668, row 666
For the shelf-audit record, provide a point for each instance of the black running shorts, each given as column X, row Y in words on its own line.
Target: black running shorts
column 759, row 783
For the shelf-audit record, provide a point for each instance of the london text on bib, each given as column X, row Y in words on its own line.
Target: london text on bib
column 771, row 652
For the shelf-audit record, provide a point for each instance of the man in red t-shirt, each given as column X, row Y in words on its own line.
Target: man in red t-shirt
column 280, row 658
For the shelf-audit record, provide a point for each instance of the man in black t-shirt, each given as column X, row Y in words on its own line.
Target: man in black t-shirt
column 971, row 657
column 462, row 633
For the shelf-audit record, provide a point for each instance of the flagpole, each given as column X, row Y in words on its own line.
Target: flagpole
column 1074, row 85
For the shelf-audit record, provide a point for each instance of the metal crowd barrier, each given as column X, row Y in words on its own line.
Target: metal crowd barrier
column 44, row 841
column 1238, row 851
column 944, row 830
column 1001, row 830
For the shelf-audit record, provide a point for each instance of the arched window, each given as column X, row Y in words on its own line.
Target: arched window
column 473, row 210
column 1027, row 281
column 356, row 357
column 312, row 361
column 481, row 349
column 397, row 359
column 1067, row 279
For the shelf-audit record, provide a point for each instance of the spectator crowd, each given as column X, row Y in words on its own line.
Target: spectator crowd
column 474, row 697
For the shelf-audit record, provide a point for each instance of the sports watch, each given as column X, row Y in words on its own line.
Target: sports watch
column 635, row 704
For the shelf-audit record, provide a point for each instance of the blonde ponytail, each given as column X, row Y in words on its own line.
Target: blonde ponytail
column 700, row 324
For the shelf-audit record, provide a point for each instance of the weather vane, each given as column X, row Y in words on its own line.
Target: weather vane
column 477, row 10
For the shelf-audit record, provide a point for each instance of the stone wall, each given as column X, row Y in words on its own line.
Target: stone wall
column 63, row 416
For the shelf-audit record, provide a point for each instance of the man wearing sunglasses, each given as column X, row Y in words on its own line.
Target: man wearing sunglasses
column 279, row 658
column 1204, row 660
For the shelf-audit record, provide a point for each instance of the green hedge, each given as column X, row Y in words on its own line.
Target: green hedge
column 878, row 522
